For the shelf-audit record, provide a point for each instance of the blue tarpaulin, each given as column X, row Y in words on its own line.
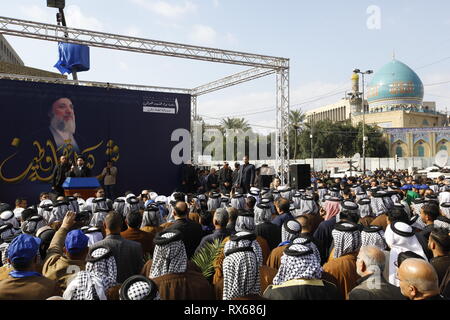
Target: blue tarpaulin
column 72, row 56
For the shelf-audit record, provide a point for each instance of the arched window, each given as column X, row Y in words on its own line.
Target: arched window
column 399, row 151
column 442, row 147
column 425, row 122
column 421, row 151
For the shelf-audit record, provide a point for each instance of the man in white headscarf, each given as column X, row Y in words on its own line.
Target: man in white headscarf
column 290, row 230
column 214, row 201
column 99, row 276
column 443, row 221
column 299, row 277
column 45, row 208
column 400, row 237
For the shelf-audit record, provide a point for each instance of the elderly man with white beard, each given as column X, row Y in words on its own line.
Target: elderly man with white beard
column 62, row 123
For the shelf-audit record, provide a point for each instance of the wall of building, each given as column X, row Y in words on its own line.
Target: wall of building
column 7, row 53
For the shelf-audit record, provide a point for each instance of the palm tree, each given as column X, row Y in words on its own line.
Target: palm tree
column 296, row 121
column 235, row 123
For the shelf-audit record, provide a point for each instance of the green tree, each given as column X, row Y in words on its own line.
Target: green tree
column 296, row 123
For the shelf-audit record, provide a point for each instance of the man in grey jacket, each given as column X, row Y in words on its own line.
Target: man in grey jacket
column 128, row 254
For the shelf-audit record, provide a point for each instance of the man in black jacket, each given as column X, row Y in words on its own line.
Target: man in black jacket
column 225, row 178
column 192, row 231
column 59, row 175
column 80, row 170
column 372, row 286
column 246, row 176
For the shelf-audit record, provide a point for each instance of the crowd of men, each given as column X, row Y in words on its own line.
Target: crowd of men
column 383, row 237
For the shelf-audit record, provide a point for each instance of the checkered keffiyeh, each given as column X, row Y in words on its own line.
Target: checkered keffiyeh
column 131, row 204
column 295, row 265
column 99, row 204
column 169, row 258
column 322, row 192
column 365, row 209
column 32, row 225
column 98, row 218
column 263, row 213
column 119, row 205
column 105, row 269
column 213, row 203
column 297, row 199
column 151, row 217
column 4, row 253
column 240, row 272
column 140, row 290
column 438, row 223
column 373, row 239
column 345, row 241
column 378, row 206
column 290, row 230
column 245, row 223
column 445, row 209
column 58, row 213
column 238, row 203
column 85, row 286
column 308, row 243
column 308, row 206
column 242, row 239
column 99, row 276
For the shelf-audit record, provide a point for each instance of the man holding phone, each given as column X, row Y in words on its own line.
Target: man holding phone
column 108, row 176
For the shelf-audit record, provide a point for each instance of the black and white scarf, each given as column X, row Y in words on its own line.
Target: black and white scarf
column 139, row 288
column 245, row 222
column 308, row 243
column 365, row 209
column 373, row 236
column 290, row 230
column 263, row 213
column 59, row 211
column 346, row 238
column 246, row 239
column 151, row 216
column 240, row 271
column 119, row 205
column 298, row 262
column 169, row 255
column 378, row 206
column 99, row 276
column 238, row 202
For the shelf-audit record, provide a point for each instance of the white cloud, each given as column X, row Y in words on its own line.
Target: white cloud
column 166, row 9
column 38, row 13
column 77, row 19
column 204, row 35
column 74, row 16
column 216, row 3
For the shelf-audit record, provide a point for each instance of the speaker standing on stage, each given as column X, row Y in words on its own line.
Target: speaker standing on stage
column 59, row 175
column 80, row 170
column 225, row 178
column 246, row 176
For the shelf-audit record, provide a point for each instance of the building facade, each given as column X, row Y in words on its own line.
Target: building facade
column 413, row 127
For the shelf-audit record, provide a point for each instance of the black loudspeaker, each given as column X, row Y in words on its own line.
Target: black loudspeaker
column 300, row 176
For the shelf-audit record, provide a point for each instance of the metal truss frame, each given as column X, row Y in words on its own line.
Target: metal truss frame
column 262, row 65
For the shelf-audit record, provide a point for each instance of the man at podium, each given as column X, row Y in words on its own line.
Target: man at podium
column 79, row 170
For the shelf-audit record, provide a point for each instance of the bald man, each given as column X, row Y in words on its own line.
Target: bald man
column 418, row 280
column 191, row 231
column 370, row 264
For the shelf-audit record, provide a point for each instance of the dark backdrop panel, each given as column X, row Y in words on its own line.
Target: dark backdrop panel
column 110, row 123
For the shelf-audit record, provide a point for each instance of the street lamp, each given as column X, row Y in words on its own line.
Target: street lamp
column 312, row 150
column 364, row 116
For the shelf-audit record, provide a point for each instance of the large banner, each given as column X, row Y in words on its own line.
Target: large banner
column 40, row 122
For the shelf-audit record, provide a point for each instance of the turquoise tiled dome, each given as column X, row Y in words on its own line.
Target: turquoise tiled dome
column 395, row 84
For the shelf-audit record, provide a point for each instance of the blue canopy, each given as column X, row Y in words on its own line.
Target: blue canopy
column 72, row 56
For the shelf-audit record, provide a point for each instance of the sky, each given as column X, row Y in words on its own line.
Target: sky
column 324, row 40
